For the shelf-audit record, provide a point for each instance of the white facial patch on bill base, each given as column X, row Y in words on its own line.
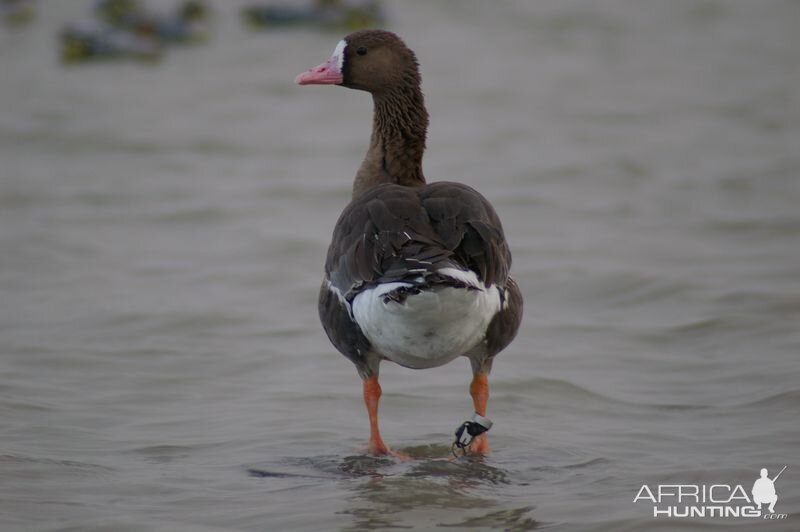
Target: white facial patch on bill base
column 338, row 54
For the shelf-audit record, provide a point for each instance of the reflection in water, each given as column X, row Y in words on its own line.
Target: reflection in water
column 431, row 487
column 402, row 494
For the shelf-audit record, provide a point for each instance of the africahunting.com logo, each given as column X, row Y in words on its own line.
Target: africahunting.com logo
column 714, row 500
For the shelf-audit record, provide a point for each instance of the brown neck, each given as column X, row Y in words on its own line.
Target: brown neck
column 399, row 125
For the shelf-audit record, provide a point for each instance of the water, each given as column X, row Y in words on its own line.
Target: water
column 163, row 229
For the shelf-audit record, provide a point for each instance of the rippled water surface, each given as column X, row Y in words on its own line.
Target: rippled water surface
column 163, row 228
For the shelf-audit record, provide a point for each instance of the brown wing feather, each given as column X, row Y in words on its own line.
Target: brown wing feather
column 391, row 233
column 470, row 227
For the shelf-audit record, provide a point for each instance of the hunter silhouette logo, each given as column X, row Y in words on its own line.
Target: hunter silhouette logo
column 764, row 490
column 714, row 500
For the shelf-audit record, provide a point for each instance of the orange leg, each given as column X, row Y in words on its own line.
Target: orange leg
column 479, row 390
column 372, row 394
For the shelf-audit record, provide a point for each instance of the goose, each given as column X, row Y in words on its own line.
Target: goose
column 92, row 41
column 416, row 273
column 323, row 14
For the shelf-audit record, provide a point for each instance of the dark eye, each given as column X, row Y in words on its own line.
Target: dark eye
column 361, row 50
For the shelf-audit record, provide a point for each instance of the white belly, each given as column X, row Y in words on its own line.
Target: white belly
column 428, row 329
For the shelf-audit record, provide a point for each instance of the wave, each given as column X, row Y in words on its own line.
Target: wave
column 18, row 465
column 563, row 393
column 789, row 398
column 758, row 227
